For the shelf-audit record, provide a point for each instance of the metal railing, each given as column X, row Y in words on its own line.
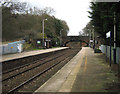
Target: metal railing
column 106, row 50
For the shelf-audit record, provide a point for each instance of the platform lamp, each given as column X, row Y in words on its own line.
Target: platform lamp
column 43, row 31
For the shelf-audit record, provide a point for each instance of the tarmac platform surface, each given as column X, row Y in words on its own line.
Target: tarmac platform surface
column 85, row 72
column 30, row 53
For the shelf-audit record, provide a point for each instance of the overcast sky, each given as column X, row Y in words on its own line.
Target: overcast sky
column 74, row 12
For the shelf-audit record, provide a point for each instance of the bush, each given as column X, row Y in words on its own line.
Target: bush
column 27, row 47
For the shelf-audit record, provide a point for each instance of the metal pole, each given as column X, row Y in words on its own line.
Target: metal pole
column 93, row 38
column 114, row 50
column 110, row 48
column 89, row 37
column 60, row 37
column 43, row 32
column 106, row 49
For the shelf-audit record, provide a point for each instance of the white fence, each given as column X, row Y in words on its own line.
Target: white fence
column 13, row 47
column 105, row 49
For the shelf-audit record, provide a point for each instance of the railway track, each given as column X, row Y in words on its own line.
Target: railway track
column 22, row 69
column 6, row 65
column 13, row 79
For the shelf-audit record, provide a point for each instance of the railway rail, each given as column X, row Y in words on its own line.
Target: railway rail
column 27, row 64
column 17, row 71
column 6, row 65
column 13, row 79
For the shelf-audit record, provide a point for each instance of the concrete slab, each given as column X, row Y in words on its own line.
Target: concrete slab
column 86, row 72
column 30, row 53
column 94, row 75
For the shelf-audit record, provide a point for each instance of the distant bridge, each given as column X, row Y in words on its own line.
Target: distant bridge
column 83, row 39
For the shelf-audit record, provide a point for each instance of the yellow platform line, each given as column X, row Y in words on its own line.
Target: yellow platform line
column 85, row 66
column 67, row 86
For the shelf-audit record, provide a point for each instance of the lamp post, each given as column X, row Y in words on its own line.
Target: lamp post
column 90, row 35
column 93, row 38
column 43, row 31
column 60, row 37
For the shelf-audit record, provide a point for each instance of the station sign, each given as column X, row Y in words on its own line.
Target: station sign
column 91, row 40
column 38, row 42
column 108, row 34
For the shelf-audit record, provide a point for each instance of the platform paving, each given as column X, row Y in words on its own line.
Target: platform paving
column 86, row 72
column 29, row 53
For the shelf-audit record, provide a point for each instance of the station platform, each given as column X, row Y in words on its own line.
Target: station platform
column 8, row 57
column 85, row 72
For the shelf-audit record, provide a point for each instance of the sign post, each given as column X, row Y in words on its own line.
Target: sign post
column 107, row 36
